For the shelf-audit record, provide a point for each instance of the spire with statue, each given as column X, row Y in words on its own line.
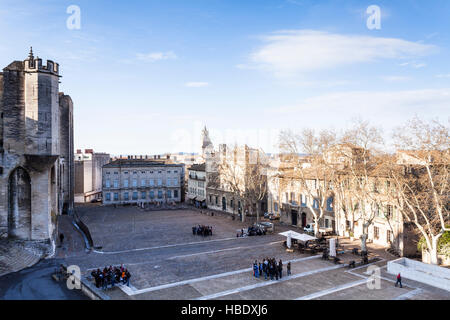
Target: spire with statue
column 207, row 145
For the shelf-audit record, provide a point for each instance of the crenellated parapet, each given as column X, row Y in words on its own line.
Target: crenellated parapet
column 32, row 64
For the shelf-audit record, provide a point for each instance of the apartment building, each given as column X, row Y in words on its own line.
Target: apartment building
column 139, row 181
column 196, row 190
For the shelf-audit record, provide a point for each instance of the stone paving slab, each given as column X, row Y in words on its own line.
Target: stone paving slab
column 185, row 292
column 245, row 279
column 293, row 289
column 155, row 271
column 129, row 227
column 361, row 292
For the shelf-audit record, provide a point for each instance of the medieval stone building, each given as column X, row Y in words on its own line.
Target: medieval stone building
column 36, row 150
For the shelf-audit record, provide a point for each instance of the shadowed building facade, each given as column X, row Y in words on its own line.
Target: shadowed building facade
column 36, row 150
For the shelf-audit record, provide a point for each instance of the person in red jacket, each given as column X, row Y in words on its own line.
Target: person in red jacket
column 399, row 281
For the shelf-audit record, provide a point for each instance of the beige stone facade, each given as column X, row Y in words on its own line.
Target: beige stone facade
column 289, row 199
column 88, row 175
column 141, row 181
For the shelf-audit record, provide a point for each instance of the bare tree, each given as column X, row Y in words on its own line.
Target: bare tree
column 420, row 173
column 316, row 178
column 243, row 172
column 360, row 152
column 256, row 180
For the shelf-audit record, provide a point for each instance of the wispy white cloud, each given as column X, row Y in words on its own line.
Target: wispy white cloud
column 442, row 76
column 196, row 84
column 370, row 103
column 156, row 56
column 395, row 78
column 291, row 52
column 413, row 64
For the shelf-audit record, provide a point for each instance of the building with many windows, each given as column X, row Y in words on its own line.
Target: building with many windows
column 141, row 181
column 296, row 193
column 196, row 191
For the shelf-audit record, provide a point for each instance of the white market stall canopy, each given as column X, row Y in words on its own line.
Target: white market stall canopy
column 298, row 236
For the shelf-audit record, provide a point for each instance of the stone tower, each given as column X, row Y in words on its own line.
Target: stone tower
column 207, row 145
column 36, row 149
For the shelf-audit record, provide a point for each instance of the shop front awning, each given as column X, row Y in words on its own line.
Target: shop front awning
column 191, row 196
column 200, row 199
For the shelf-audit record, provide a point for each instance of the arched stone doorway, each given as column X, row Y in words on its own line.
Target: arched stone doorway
column 19, row 204
column 294, row 216
column 303, row 219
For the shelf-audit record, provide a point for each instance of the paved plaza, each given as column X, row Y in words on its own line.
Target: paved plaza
column 168, row 262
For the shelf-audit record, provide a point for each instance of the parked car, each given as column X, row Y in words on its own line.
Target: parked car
column 309, row 228
column 256, row 230
column 267, row 226
column 274, row 217
column 323, row 231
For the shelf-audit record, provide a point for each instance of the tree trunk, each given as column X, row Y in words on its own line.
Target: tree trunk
column 257, row 212
column 316, row 226
column 364, row 237
column 364, row 242
column 433, row 251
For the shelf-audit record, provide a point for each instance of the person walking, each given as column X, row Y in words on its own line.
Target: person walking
column 61, row 238
column 276, row 271
column 280, row 268
column 399, row 281
column 288, row 268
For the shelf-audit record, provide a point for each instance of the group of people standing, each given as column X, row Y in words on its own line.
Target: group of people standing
column 270, row 268
column 202, row 230
column 111, row 276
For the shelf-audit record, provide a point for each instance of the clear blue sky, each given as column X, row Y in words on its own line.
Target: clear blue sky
column 145, row 76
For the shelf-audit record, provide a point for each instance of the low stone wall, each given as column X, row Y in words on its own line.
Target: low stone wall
column 443, row 260
column 418, row 271
column 91, row 291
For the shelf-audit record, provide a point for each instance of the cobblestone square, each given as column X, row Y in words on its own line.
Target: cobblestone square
column 168, row 262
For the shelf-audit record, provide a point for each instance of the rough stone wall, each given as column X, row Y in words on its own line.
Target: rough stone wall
column 1, row 115
column 19, row 194
column 66, row 152
column 14, row 109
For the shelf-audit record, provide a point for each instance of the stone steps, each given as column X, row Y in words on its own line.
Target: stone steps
column 15, row 256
